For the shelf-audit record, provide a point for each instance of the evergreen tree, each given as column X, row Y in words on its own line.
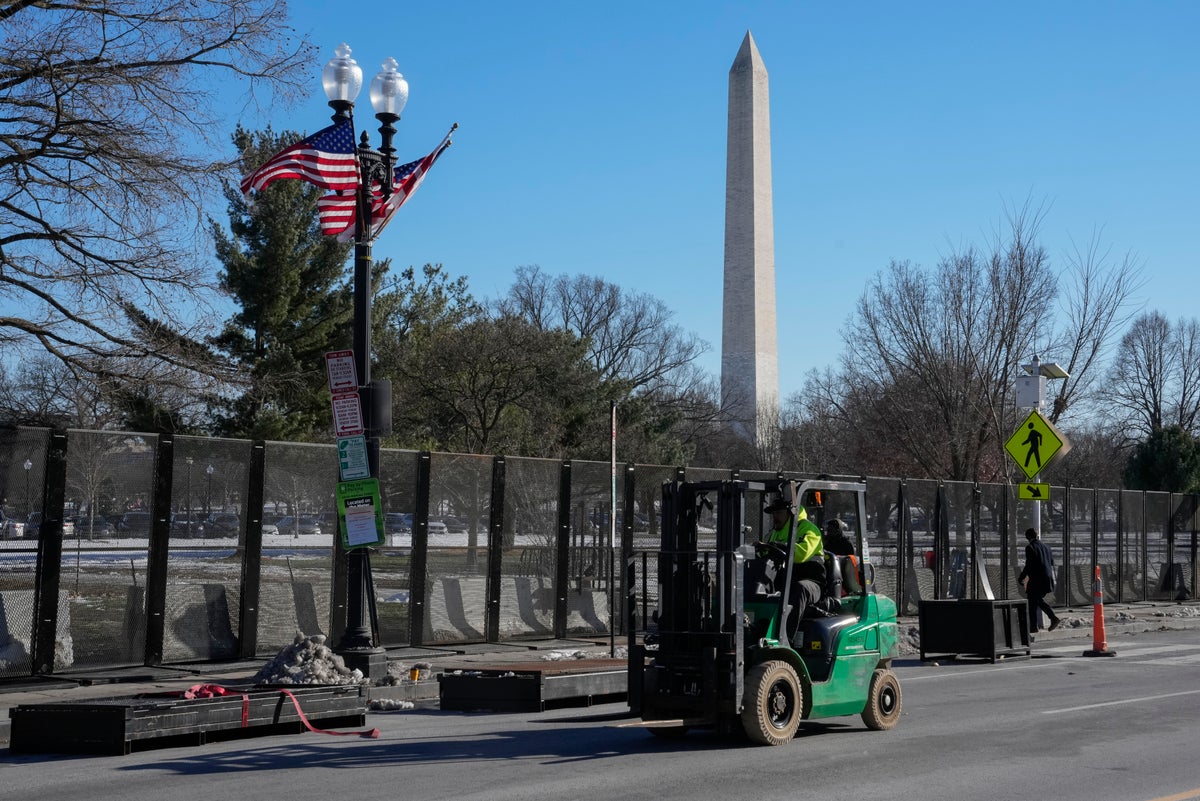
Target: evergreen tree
column 295, row 302
column 1167, row 461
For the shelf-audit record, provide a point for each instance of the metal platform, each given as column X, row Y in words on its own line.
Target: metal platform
column 532, row 686
column 121, row 725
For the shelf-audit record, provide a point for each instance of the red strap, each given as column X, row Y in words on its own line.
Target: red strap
column 371, row 733
column 214, row 690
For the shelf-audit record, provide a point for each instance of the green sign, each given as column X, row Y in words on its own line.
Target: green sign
column 360, row 510
column 352, row 458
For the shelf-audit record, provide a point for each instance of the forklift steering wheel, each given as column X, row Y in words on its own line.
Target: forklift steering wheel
column 773, row 551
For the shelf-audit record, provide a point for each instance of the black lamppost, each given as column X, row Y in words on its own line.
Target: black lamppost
column 188, row 496
column 342, row 79
column 28, row 466
column 208, row 471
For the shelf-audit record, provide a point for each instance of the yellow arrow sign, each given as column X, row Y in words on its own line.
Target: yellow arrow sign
column 1035, row 442
column 1033, row 492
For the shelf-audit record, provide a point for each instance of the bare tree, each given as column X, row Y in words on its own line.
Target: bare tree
column 630, row 337
column 1155, row 378
column 932, row 356
column 1096, row 305
column 107, row 123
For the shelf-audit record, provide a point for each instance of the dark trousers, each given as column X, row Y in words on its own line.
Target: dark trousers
column 805, row 593
column 1037, row 605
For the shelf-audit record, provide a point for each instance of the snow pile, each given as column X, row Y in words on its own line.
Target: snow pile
column 621, row 652
column 391, row 705
column 308, row 661
column 1124, row 617
column 1179, row 611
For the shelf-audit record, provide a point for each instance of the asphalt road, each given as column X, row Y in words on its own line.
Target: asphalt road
column 1059, row 726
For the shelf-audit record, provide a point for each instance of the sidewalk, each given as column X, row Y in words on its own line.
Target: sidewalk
column 103, row 685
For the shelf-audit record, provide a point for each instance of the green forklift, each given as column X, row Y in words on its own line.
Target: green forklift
column 727, row 652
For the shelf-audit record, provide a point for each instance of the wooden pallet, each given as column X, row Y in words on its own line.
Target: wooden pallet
column 532, row 687
column 121, row 725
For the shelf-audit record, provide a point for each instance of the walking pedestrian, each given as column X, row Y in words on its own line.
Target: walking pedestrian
column 1038, row 579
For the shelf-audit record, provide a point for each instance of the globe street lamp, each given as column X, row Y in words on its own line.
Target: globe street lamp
column 208, row 471
column 188, row 496
column 342, row 79
column 28, row 466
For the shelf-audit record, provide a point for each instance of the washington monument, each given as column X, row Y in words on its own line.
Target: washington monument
column 749, row 345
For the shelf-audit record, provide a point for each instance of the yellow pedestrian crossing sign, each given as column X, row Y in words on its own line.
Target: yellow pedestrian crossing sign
column 1035, row 442
column 1033, row 492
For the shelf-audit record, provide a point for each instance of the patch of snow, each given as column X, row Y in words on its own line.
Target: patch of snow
column 391, row 705
column 308, row 661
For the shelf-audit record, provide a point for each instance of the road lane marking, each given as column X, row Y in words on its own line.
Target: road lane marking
column 1184, row 796
column 1122, row 701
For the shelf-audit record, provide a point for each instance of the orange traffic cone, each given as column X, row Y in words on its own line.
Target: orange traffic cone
column 1099, row 641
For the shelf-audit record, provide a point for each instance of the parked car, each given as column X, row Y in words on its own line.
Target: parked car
column 294, row 525
column 397, row 523
column 10, row 529
column 223, row 524
column 92, row 527
column 33, row 526
column 136, row 524
column 187, row 524
column 454, row 525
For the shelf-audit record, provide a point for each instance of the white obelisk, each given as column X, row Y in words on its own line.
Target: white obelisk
column 749, row 344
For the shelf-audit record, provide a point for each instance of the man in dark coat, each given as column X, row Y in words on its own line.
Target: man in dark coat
column 1038, row 578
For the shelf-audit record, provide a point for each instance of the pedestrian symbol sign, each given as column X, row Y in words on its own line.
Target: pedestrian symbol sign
column 1035, row 442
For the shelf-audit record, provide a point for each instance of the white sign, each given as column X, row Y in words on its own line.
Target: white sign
column 339, row 369
column 347, row 415
column 352, row 458
column 360, row 522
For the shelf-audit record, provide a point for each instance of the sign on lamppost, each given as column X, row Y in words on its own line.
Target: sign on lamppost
column 347, row 415
column 352, row 458
column 360, row 508
column 339, row 369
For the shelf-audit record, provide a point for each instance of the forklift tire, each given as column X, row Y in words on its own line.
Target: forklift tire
column 884, row 701
column 773, row 703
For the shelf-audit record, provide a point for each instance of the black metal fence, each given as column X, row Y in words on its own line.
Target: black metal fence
column 120, row 548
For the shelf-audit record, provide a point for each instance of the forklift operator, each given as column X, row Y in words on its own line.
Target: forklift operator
column 808, row 572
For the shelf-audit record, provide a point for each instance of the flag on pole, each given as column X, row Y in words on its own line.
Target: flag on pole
column 408, row 180
column 337, row 210
column 325, row 159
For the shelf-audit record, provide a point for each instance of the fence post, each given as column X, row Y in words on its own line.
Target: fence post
column 562, row 564
column 252, row 552
column 418, row 567
column 157, row 554
column 1066, row 589
column 1005, row 540
column 629, row 590
column 495, row 558
column 49, row 555
column 976, row 563
column 1120, row 546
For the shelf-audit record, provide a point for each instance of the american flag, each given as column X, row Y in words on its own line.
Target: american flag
column 337, row 210
column 325, row 159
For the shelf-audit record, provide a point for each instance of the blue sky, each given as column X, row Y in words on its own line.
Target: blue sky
column 592, row 140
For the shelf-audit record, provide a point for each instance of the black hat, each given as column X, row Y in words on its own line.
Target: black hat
column 777, row 504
